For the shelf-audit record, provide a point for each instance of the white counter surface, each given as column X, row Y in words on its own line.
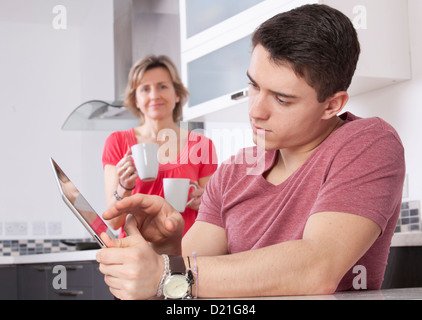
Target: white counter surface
column 73, row 256
column 407, row 239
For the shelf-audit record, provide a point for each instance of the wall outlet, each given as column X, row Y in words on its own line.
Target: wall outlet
column 16, row 228
column 39, row 228
column 54, row 228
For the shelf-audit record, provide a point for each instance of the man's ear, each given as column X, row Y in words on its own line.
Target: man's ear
column 335, row 104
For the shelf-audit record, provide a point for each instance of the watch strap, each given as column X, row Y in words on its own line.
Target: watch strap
column 177, row 265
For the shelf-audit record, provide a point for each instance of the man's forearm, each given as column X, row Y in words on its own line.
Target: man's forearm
column 291, row 268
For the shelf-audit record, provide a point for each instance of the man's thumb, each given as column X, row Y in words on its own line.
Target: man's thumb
column 131, row 227
column 133, row 236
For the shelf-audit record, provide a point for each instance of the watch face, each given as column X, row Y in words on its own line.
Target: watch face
column 176, row 287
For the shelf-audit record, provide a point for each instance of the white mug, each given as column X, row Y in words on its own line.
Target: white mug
column 145, row 157
column 176, row 192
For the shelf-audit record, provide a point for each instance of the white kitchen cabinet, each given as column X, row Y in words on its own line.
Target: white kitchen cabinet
column 211, row 13
column 215, row 58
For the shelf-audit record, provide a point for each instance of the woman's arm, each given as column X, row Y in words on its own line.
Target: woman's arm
column 111, row 184
column 120, row 178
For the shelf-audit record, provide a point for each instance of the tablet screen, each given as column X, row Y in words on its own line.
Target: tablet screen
column 79, row 203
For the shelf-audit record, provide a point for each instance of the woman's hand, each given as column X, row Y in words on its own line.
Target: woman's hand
column 196, row 195
column 126, row 172
column 132, row 269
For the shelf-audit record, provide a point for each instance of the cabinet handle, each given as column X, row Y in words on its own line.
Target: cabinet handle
column 43, row 268
column 74, row 268
column 69, row 293
column 240, row 95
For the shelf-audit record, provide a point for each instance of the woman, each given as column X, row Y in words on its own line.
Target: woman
column 155, row 95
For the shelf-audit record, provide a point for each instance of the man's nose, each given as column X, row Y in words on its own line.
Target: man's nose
column 258, row 106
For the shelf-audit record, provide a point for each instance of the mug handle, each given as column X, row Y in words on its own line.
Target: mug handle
column 190, row 201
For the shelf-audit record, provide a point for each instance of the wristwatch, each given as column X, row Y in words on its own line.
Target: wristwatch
column 179, row 282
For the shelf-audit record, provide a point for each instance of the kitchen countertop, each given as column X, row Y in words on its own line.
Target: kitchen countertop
column 407, row 239
column 72, row 256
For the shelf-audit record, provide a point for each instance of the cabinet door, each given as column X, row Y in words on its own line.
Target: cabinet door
column 203, row 23
column 100, row 290
column 382, row 27
column 78, row 282
column 204, row 14
column 215, row 61
column 33, row 282
column 8, row 283
column 83, row 282
column 220, row 72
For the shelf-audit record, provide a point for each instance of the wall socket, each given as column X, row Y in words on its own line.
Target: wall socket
column 55, row 228
column 39, row 228
column 16, row 228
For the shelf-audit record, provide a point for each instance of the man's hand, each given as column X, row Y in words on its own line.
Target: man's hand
column 132, row 269
column 157, row 221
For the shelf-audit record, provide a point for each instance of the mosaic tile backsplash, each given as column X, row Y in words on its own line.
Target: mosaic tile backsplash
column 39, row 246
column 410, row 217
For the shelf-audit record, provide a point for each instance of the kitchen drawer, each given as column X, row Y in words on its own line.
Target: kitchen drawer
column 83, row 282
column 74, row 293
column 78, row 274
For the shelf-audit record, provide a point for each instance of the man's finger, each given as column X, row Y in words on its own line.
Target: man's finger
column 139, row 203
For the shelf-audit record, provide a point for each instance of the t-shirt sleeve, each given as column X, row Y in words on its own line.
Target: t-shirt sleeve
column 114, row 149
column 365, row 178
column 211, row 201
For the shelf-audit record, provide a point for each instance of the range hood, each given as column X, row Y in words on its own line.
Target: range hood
column 100, row 115
column 141, row 27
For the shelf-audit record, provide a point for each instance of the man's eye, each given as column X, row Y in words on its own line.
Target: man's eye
column 281, row 101
column 254, row 85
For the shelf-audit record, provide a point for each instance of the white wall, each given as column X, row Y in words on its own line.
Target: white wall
column 45, row 74
column 401, row 105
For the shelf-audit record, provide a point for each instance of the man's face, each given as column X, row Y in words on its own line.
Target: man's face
column 282, row 105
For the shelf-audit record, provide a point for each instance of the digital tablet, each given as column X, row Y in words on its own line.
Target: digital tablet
column 80, row 206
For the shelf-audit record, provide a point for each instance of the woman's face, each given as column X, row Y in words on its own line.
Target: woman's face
column 155, row 95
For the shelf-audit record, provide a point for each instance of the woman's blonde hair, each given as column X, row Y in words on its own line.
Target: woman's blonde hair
column 137, row 72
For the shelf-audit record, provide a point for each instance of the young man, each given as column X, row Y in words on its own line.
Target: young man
column 326, row 201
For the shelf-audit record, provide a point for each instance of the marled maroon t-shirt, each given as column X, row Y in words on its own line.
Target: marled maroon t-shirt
column 359, row 169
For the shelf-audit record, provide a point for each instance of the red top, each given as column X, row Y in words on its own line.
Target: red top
column 359, row 169
column 196, row 160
